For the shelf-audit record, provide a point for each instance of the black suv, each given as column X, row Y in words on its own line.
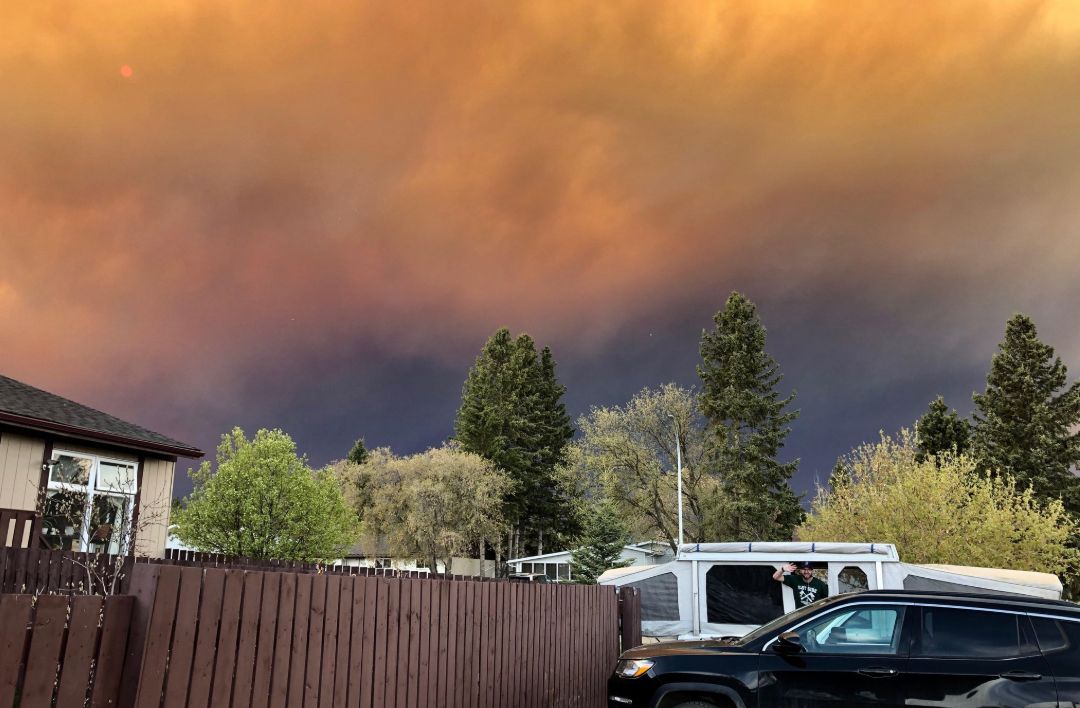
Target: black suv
column 878, row 648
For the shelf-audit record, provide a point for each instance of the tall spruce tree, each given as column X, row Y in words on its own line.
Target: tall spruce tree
column 552, row 520
column 941, row 430
column 840, row 475
column 600, row 546
column 1026, row 420
column 512, row 414
column 359, row 453
column 747, row 423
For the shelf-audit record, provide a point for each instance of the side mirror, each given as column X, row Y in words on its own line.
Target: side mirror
column 788, row 643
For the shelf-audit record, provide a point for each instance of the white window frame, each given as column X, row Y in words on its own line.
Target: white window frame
column 90, row 490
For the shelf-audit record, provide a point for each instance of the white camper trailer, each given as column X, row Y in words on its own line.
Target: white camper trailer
column 727, row 589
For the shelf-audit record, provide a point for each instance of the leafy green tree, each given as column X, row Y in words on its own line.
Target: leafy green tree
column 747, row 424
column 435, row 505
column 1026, row 421
column 627, row 455
column 941, row 430
column 941, row 510
column 358, row 454
column 263, row 501
column 600, row 545
column 511, row 414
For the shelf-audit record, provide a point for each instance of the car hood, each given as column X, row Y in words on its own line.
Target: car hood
column 715, row 646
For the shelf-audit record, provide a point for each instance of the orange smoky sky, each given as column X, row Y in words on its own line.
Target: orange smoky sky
column 191, row 191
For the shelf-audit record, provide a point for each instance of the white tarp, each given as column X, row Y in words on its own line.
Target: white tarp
column 887, row 550
column 957, row 578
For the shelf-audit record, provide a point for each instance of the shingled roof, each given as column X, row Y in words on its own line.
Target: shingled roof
column 24, row 406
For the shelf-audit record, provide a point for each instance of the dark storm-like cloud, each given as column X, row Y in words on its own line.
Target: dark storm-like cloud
column 277, row 185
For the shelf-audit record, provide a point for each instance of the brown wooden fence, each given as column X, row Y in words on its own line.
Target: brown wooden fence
column 41, row 571
column 252, row 638
column 19, row 528
column 629, row 616
column 62, row 651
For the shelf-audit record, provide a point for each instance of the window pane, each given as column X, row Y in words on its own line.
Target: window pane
column 659, row 597
column 1050, row 635
column 62, row 519
column 852, row 579
column 108, row 522
column 868, row 630
column 71, row 470
column 742, row 594
column 113, row 477
column 551, row 570
column 564, row 571
column 969, row 633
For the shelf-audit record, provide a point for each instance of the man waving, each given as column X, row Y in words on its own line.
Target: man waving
column 806, row 587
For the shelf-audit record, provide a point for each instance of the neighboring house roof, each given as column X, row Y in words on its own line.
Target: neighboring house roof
column 633, row 548
column 24, row 406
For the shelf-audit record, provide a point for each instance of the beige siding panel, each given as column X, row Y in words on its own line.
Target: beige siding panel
column 155, row 502
column 31, row 486
column 20, row 470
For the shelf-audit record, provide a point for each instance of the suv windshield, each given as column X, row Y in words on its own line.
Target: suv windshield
column 771, row 627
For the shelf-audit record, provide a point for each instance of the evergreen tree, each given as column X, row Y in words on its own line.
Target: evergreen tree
column 600, row 545
column 488, row 421
column 1026, row 420
column 941, row 430
column 358, row 454
column 840, row 476
column 551, row 507
column 512, row 414
column 747, row 422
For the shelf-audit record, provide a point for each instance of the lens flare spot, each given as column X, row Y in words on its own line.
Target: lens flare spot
column 126, row 71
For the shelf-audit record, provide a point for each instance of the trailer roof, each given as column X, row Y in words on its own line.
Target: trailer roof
column 880, row 551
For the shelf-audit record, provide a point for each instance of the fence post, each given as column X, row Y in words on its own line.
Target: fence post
column 144, row 579
column 629, row 617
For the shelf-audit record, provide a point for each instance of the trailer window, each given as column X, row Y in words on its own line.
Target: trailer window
column 742, row 594
column 852, row 579
column 659, row 598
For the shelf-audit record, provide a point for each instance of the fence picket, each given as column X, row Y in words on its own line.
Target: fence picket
column 47, row 637
column 267, row 626
column 15, row 617
column 248, row 640
column 283, row 634
column 183, row 642
column 79, row 650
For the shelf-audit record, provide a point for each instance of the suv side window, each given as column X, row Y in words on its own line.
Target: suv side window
column 947, row 632
column 1051, row 635
column 869, row 629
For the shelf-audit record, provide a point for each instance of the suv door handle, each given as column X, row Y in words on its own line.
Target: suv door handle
column 1021, row 676
column 878, row 672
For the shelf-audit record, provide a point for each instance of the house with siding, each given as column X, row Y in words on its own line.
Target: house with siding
column 98, row 483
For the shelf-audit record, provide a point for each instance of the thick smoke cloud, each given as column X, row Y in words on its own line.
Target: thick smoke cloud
column 288, row 207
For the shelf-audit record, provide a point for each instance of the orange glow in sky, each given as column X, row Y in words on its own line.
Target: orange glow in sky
column 295, row 180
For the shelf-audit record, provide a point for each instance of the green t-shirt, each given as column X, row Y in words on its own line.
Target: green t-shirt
column 805, row 593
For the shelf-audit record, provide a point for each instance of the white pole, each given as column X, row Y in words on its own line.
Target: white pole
column 678, row 458
column 678, row 455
